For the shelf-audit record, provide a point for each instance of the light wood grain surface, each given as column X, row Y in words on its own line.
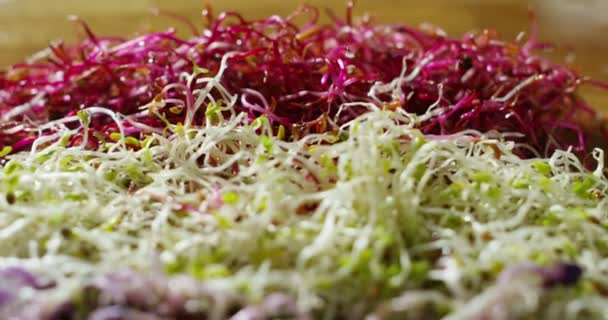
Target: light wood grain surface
column 26, row 26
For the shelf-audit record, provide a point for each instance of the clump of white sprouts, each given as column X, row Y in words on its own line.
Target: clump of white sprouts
column 372, row 221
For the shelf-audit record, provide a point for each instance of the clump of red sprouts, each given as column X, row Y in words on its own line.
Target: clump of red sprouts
column 301, row 76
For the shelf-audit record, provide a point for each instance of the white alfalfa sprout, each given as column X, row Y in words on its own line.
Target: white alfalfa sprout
column 224, row 203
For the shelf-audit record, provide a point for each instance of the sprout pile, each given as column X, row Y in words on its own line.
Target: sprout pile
column 227, row 177
column 300, row 73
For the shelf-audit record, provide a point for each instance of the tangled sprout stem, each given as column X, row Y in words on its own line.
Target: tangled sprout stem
column 301, row 75
column 232, row 220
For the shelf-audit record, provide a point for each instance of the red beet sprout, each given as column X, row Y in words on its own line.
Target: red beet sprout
column 299, row 75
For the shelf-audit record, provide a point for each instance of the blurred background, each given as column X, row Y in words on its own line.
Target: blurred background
column 580, row 27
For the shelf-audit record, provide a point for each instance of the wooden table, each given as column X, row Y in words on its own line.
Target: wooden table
column 26, row 26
